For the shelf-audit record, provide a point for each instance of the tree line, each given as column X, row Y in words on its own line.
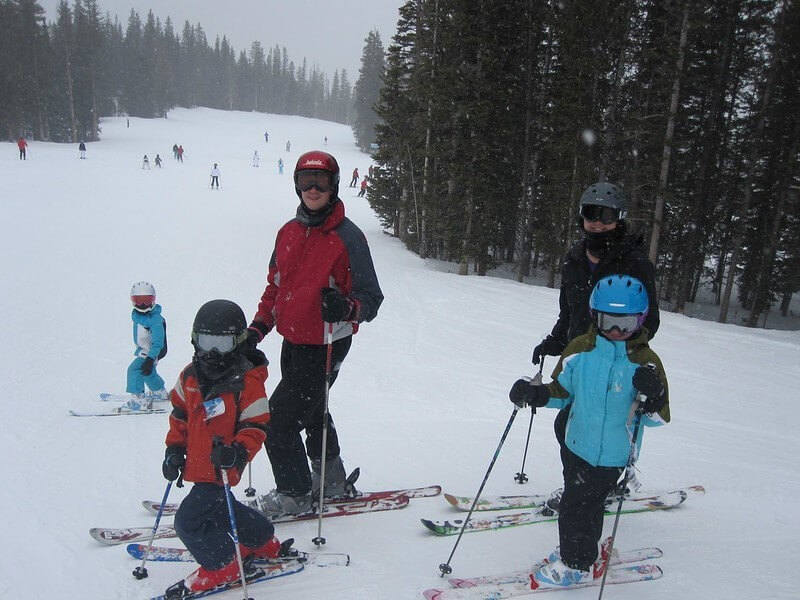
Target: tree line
column 494, row 116
column 57, row 80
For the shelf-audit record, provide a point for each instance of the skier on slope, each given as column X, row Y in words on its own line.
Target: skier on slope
column 22, row 145
column 150, row 338
column 255, row 158
column 320, row 272
column 218, row 419
column 215, row 173
column 82, row 149
column 607, row 247
column 599, row 375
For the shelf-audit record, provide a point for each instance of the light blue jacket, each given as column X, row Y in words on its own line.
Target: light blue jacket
column 149, row 333
column 595, row 376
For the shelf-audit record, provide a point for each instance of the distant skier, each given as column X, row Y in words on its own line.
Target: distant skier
column 82, row 149
column 150, row 338
column 354, row 180
column 175, row 151
column 326, row 140
column 280, row 166
column 255, row 158
column 219, row 414
column 180, row 153
column 215, row 176
column 146, row 163
column 370, row 171
column 266, row 137
column 288, row 146
column 22, row 145
column 158, row 161
column 363, row 188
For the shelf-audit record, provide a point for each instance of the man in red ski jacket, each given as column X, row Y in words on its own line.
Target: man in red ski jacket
column 321, row 272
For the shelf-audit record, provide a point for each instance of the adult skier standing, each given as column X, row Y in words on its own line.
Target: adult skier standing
column 218, row 419
column 600, row 375
column 606, row 248
column 321, row 275
column 22, row 145
column 255, row 158
column 215, row 173
column 82, row 149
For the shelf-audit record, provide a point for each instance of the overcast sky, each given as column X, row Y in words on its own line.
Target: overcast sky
column 329, row 33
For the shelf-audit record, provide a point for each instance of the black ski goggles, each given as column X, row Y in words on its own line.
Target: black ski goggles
column 206, row 342
column 308, row 178
column 595, row 212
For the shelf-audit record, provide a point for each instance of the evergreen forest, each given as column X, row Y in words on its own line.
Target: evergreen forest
column 494, row 116
column 57, row 80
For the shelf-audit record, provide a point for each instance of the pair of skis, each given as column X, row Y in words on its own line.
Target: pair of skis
column 539, row 511
column 621, row 567
column 367, row 502
column 123, row 410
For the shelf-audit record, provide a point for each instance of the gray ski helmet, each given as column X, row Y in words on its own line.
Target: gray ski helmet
column 606, row 194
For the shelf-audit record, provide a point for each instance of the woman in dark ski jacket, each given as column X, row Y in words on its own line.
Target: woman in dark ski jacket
column 607, row 248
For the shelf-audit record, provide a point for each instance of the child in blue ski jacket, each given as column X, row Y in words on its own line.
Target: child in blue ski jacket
column 602, row 374
column 150, row 338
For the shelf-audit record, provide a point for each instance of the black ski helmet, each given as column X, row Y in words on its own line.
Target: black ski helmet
column 606, row 194
column 220, row 317
column 219, row 329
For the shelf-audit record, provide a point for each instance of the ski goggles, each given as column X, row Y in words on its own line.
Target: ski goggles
column 143, row 302
column 206, row 342
column 623, row 323
column 308, row 178
column 595, row 212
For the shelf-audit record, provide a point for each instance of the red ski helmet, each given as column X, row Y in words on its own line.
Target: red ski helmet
column 317, row 160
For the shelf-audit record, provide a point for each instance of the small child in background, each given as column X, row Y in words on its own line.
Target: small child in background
column 150, row 337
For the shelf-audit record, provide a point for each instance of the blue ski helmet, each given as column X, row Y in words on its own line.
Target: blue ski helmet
column 619, row 294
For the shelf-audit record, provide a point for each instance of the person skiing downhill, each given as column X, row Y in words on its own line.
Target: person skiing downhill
column 280, row 166
column 150, row 338
column 321, row 275
column 158, row 161
column 215, row 173
column 354, row 179
column 363, row 189
column 218, row 419
column 599, row 375
column 607, row 247
column 146, row 163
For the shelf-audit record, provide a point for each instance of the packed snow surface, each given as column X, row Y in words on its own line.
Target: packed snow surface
column 421, row 399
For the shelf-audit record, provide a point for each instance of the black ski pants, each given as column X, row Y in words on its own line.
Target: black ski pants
column 204, row 526
column 581, row 510
column 296, row 405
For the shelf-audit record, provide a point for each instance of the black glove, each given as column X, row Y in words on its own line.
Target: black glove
column 174, row 460
column 253, row 338
column 525, row 392
column 226, row 457
column 647, row 382
column 147, row 366
column 548, row 347
column 335, row 307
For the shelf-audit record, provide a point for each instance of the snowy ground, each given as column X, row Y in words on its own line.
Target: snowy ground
column 422, row 398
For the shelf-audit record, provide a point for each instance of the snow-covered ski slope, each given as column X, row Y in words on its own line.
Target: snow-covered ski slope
column 422, row 397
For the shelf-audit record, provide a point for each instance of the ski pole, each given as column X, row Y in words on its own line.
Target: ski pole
column 636, row 414
column 445, row 568
column 521, row 477
column 319, row 540
column 140, row 572
column 234, row 531
column 250, row 491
